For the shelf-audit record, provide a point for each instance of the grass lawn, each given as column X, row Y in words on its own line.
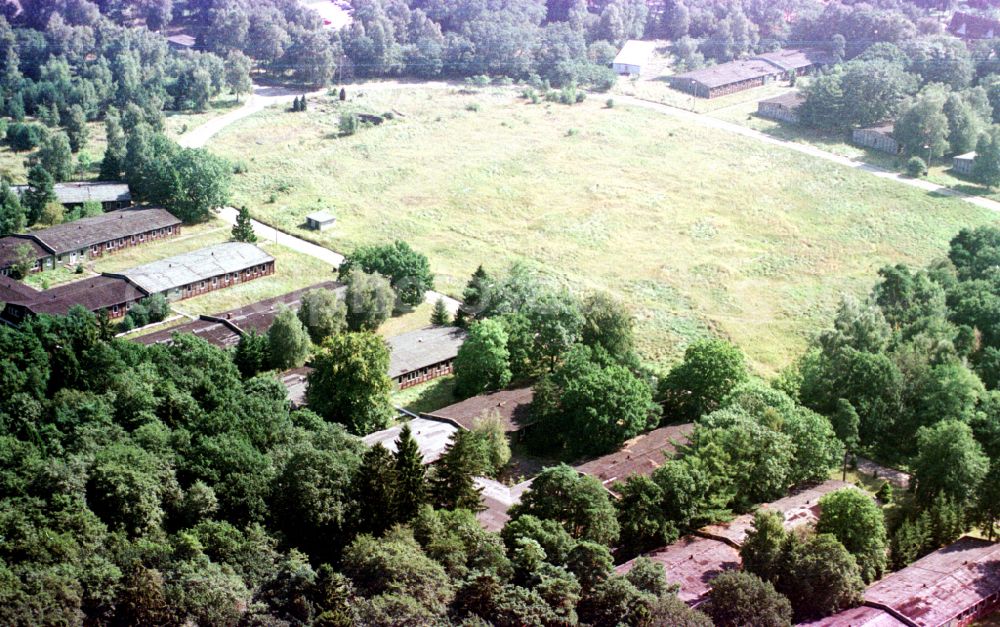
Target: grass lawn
column 179, row 122
column 698, row 230
column 88, row 160
column 427, row 397
column 658, row 90
column 293, row 270
column 744, row 113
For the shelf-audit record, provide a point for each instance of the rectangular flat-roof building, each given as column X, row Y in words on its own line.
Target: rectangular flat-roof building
column 225, row 329
column 784, row 107
column 101, row 293
column 971, row 27
column 497, row 498
column 320, row 221
column 799, row 508
column 639, row 456
column 861, row 616
column 633, row 57
column 692, row 563
column 877, row 138
column 953, row 586
column 797, row 60
column 513, row 407
column 432, row 437
column 725, row 78
column 963, row 163
column 201, row 271
column 423, row 355
column 111, row 195
column 74, row 242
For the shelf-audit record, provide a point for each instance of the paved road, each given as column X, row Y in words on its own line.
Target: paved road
column 812, row 151
column 270, row 234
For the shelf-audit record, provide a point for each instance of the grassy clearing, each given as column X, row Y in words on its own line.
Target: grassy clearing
column 658, row 90
column 179, row 122
column 700, row 231
column 427, row 397
column 13, row 168
column 294, row 270
column 744, row 113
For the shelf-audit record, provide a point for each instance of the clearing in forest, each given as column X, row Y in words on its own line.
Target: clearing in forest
column 696, row 229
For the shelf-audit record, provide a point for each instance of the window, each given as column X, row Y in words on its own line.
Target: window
column 114, row 310
column 215, row 281
column 96, row 248
column 201, row 285
column 170, row 230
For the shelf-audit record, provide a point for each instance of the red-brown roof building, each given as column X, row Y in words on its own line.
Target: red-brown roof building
column 639, row 456
column 513, row 407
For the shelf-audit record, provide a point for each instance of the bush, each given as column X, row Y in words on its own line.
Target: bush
column 240, row 167
column 348, row 123
column 610, row 104
column 916, row 167
column 23, row 137
column 472, row 106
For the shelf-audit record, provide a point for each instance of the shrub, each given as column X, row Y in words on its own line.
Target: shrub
column 472, row 106
column 610, row 104
column 916, row 167
column 348, row 123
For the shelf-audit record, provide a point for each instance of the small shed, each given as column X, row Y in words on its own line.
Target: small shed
column 784, row 107
column 320, row 221
column 181, row 41
column 878, row 138
column 963, row 163
column 633, row 56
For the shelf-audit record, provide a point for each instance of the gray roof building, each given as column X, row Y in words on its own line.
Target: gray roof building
column 87, row 232
column 423, row 348
column 77, row 193
column 432, row 437
column 200, row 265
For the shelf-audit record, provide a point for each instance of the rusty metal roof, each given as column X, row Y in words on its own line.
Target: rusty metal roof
column 799, row 508
column 938, row 587
column 639, row 456
column 513, row 406
column 692, row 563
column 862, row 616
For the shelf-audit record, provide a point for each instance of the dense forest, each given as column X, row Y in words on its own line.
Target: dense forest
column 158, row 485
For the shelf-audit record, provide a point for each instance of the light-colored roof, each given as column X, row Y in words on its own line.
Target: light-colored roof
column 969, row 156
column 81, row 192
column 799, row 508
column 691, row 563
column 182, row 40
column 789, row 100
column 635, row 52
column 432, row 437
column 321, row 216
column 422, row 348
column 795, row 58
column 938, row 587
column 167, row 274
column 497, row 498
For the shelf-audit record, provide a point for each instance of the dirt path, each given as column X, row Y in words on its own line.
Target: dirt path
column 812, row 151
column 261, row 98
column 270, row 234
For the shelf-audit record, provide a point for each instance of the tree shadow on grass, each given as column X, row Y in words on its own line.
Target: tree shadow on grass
column 427, row 397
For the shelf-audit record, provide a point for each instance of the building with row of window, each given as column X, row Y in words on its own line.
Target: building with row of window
column 179, row 277
column 87, row 238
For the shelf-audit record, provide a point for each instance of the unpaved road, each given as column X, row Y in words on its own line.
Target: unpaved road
column 270, row 234
column 812, row 151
